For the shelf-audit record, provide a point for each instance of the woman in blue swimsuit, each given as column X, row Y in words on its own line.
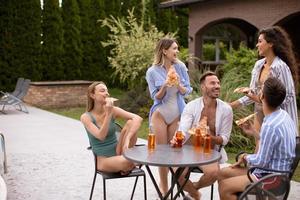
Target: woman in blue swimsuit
column 99, row 124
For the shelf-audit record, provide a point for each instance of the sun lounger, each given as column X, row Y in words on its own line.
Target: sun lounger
column 17, row 99
column 17, row 90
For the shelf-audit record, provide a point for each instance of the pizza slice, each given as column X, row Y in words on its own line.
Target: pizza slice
column 111, row 99
column 243, row 120
column 172, row 78
column 242, row 90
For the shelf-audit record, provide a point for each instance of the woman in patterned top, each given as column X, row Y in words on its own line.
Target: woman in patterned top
column 278, row 61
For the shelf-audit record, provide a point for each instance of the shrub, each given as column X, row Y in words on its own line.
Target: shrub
column 241, row 62
column 138, row 101
column 208, row 51
column 132, row 48
column 237, row 73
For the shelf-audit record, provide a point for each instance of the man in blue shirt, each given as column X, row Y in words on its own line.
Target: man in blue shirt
column 277, row 142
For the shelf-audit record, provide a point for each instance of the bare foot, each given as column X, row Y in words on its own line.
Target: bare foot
column 124, row 173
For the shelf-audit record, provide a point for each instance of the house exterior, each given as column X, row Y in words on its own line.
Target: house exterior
column 246, row 16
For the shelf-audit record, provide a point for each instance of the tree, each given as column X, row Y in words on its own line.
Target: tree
column 183, row 27
column 132, row 48
column 72, row 40
column 174, row 20
column 86, row 32
column 99, row 69
column 52, row 44
column 7, row 75
column 112, row 7
column 26, row 37
column 150, row 7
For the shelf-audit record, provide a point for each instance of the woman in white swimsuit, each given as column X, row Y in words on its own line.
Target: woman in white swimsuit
column 168, row 93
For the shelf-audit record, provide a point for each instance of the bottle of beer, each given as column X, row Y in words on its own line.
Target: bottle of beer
column 151, row 139
column 198, row 139
column 207, row 141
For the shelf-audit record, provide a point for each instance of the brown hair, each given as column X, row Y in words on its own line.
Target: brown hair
column 91, row 90
column 282, row 47
column 206, row 74
column 163, row 44
column 274, row 92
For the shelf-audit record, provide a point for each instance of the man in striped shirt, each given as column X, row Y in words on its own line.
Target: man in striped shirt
column 277, row 142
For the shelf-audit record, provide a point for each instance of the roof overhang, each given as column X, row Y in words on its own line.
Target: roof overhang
column 178, row 3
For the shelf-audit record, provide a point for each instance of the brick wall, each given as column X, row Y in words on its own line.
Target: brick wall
column 57, row 94
column 256, row 13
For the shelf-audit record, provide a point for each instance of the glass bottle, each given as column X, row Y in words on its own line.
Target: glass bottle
column 207, row 141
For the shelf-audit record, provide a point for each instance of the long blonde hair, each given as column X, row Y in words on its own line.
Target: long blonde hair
column 163, row 44
column 91, row 90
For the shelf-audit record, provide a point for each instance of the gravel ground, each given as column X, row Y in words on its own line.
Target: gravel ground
column 48, row 160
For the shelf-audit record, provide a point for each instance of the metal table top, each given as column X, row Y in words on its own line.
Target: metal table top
column 165, row 155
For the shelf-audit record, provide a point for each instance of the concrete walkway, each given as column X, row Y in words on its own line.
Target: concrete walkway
column 48, row 160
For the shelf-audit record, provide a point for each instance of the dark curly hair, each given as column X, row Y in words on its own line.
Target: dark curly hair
column 282, row 47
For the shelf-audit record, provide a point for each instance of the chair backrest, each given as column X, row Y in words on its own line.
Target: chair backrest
column 273, row 186
column 24, row 89
column 296, row 159
column 18, row 87
column 118, row 129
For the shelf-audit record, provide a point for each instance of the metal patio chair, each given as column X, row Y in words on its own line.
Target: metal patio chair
column 289, row 174
column 272, row 187
column 136, row 172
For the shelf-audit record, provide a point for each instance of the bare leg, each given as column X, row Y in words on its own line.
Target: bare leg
column 160, row 129
column 210, row 174
column 228, row 173
column 171, row 129
column 114, row 164
column 230, row 186
column 189, row 187
column 123, row 136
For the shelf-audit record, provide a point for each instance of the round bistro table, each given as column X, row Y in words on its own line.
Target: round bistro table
column 166, row 156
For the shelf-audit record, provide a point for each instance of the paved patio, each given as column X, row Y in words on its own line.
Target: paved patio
column 48, row 160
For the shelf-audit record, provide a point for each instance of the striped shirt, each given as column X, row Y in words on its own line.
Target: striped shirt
column 277, row 143
column 280, row 70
